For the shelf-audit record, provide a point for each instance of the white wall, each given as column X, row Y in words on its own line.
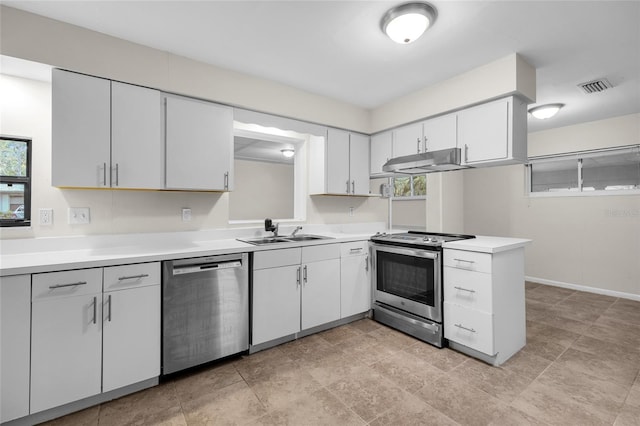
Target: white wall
column 591, row 241
column 261, row 190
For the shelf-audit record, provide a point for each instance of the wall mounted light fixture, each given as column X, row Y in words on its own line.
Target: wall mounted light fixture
column 288, row 152
column 405, row 23
column 545, row 111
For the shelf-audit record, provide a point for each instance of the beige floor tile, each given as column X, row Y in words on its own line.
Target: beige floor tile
column 615, row 331
column 633, row 398
column 195, row 384
column 261, row 363
column 234, row 404
column 368, row 395
column 378, row 351
column 513, row 417
column 339, row 334
column 445, row 359
column 318, row 408
column 498, row 382
column 549, row 333
column 461, row 402
column 407, row 371
column 549, row 295
column 334, row 368
column 526, row 364
column 411, row 411
column 310, row 348
column 543, row 348
column 607, row 350
column 629, row 416
column 158, row 405
column 283, row 385
column 365, row 325
column 606, row 368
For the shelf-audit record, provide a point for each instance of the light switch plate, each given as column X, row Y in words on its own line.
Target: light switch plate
column 186, row 215
column 46, row 217
column 79, row 216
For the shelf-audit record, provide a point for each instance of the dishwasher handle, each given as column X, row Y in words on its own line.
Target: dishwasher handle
column 206, row 267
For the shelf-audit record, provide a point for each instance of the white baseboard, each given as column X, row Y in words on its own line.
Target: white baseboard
column 587, row 289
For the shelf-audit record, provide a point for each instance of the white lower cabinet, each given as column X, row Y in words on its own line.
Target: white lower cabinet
column 85, row 341
column 15, row 328
column 66, row 337
column 355, row 279
column 484, row 303
column 293, row 290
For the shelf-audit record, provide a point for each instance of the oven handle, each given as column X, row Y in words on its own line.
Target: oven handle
column 428, row 254
column 433, row 328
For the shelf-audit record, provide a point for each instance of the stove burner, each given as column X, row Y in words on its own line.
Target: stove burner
column 417, row 238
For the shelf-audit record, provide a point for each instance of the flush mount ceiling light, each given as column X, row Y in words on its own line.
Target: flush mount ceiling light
column 288, row 152
column 406, row 22
column 545, row 111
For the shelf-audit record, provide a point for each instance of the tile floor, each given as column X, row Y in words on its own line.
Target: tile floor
column 580, row 367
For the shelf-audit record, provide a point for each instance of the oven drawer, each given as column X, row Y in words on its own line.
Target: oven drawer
column 468, row 260
column 469, row 327
column 468, row 288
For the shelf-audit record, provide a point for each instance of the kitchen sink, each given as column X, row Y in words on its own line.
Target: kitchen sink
column 290, row 239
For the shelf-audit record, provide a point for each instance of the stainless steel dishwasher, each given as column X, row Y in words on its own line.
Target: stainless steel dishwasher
column 205, row 310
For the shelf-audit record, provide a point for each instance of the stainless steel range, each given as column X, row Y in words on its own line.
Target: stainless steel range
column 407, row 282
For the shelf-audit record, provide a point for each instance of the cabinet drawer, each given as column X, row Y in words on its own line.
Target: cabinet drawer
column 66, row 283
column 469, row 260
column 276, row 258
column 358, row 248
column 469, row 327
column 130, row 276
column 468, row 288
column 322, row 252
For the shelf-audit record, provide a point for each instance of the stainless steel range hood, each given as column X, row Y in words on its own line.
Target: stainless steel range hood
column 427, row 162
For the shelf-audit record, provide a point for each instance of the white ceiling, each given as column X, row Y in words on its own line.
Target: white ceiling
column 336, row 48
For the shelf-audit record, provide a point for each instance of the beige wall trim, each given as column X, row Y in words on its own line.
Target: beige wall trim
column 584, row 288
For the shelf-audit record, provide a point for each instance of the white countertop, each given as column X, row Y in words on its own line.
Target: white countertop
column 35, row 255
column 486, row 244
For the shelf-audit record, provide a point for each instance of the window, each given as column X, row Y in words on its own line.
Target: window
column 606, row 171
column 15, row 181
column 410, row 187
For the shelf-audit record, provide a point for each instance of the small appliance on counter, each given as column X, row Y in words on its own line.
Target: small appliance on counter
column 407, row 282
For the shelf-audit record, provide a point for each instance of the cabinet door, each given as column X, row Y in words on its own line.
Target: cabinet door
column 338, row 181
column 15, row 332
column 81, row 130
column 66, row 350
column 380, row 152
column 359, row 164
column 407, row 140
column 199, row 141
column 137, row 159
column 440, row 133
column 131, row 336
column 483, row 132
column 276, row 303
column 355, row 285
column 320, row 293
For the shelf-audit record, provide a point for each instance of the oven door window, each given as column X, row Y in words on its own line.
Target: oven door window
column 409, row 277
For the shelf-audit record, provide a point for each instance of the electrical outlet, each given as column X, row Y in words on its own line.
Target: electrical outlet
column 350, row 211
column 46, row 217
column 186, row 215
column 79, row 216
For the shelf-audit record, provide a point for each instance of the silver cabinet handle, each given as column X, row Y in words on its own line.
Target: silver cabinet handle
column 465, row 328
column 347, row 187
column 355, row 250
column 418, row 145
column 104, row 174
column 463, row 260
column 226, row 180
column 466, row 153
column 109, row 309
column 95, row 309
column 298, row 276
column 133, row 277
column 304, row 274
column 366, row 263
column 425, row 144
column 53, row 287
column 464, row 289
column 117, row 175
column 353, row 186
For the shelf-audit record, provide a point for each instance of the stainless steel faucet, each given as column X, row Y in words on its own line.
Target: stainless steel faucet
column 295, row 231
column 271, row 227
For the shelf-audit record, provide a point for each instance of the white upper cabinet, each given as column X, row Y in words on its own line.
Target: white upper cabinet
column 407, row 140
column 105, row 134
column 81, row 130
column 339, row 164
column 439, row 133
column 199, row 142
column 380, row 152
column 137, row 154
column 494, row 133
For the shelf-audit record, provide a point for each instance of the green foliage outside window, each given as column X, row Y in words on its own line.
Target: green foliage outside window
column 410, row 186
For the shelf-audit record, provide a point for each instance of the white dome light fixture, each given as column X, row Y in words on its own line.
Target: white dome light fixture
column 405, row 23
column 288, row 152
column 543, row 112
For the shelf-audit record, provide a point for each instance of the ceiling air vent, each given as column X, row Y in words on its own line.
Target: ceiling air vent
column 595, row 86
